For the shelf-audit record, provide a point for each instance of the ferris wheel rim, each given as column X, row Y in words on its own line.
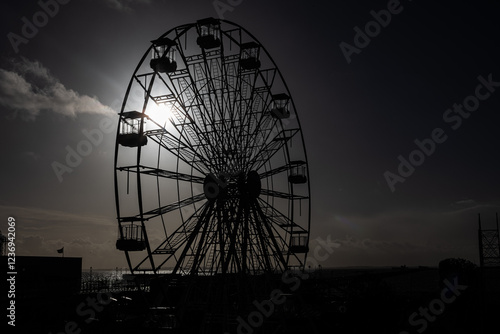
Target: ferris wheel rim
column 140, row 64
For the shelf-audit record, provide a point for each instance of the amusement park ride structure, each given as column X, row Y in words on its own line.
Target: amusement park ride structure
column 211, row 173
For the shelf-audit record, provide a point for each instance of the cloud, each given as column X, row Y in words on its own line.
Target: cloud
column 466, row 202
column 97, row 254
column 352, row 251
column 30, row 88
column 411, row 236
column 124, row 5
column 56, row 224
column 40, row 232
column 30, row 156
column 33, row 214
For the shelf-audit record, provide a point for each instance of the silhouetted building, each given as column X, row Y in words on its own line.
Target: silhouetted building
column 39, row 276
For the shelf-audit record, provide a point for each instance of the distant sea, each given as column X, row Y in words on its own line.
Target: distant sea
column 113, row 274
column 117, row 273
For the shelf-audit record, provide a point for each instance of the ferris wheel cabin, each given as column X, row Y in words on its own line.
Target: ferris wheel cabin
column 249, row 58
column 297, row 172
column 209, row 30
column 130, row 134
column 280, row 108
column 299, row 244
column 131, row 238
column 163, row 57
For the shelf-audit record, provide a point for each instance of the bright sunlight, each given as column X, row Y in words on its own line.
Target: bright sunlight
column 160, row 113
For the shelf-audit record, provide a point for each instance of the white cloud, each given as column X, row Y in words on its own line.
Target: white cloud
column 29, row 88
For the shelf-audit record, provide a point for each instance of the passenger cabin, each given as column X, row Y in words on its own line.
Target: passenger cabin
column 163, row 57
column 297, row 172
column 249, row 58
column 299, row 244
column 130, row 130
column 209, row 30
column 131, row 238
column 280, row 108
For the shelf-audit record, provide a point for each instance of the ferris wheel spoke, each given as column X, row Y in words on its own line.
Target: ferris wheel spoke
column 232, row 213
column 211, row 73
column 191, row 103
column 256, row 101
column 231, row 255
column 173, row 206
column 230, row 69
column 291, row 167
column 185, row 152
column 209, row 260
column 221, row 242
column 158, row 172
column 187, row 117
column 220, row 123
column 280, row 219
column 251, row 134
column 182, row 107
column 261, row 243
column 272, row 237
column 194, row 101
column 201, row 248
column 192, row 237
column 274, row 171
column 271, row 148
column 178, row 238
column 191, row 134
column 279, row 194
column 275, row 219
column 256, row 114
column 246, row 93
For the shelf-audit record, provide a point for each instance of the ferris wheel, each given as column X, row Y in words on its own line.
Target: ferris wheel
column 211, row 174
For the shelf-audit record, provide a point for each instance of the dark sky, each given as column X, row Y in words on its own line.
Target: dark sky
column 357, row 117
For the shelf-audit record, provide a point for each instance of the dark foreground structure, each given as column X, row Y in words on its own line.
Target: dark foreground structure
column 36, row 289
column 388, row 300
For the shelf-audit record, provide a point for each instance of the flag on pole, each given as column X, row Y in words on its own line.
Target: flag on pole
column 61, row 250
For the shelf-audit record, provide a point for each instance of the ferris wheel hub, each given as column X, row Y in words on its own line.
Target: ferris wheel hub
column 237, row 185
